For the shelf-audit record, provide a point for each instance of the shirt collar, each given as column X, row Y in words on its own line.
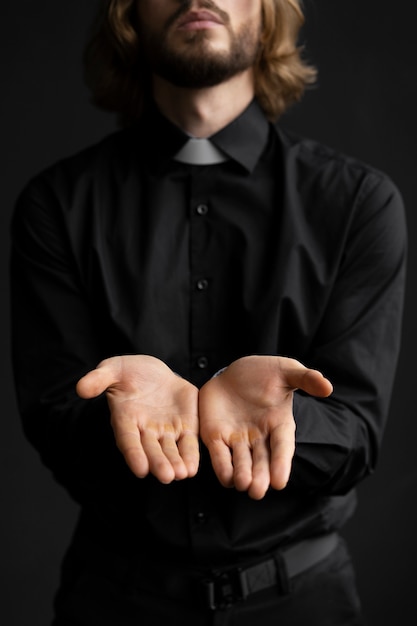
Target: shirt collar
column 243, row 140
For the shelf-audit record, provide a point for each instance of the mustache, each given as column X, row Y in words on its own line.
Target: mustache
column 204, row 4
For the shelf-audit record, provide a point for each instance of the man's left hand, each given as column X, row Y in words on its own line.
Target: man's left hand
column 247, row 422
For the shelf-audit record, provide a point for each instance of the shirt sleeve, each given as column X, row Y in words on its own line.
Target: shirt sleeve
column 356, row 347
column 53, row 345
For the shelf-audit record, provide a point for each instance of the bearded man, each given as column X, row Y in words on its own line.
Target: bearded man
column 240, row 289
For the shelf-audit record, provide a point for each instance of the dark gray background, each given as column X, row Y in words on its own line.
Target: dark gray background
column 364, row 104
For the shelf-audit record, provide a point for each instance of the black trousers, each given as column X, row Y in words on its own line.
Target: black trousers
column 324, row 595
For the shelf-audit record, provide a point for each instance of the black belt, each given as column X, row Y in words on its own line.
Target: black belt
column 226, row 587
column 218, row 588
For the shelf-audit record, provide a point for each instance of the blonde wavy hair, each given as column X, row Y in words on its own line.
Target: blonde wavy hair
column 117, row 75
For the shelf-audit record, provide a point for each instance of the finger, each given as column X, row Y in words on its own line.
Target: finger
column 282, row 443
column 297, row 376
column 129, row 444
column 242, row 465
column 170, row 450
column 190, row 452
column 221, row 460
column 261, row 458
column 159, row 465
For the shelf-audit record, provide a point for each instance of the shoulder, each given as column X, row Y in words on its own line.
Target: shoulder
column 336, row 185
column 71, row 180
column 61, row 192
column 330, row 172
column 82, row 166
column 342, row 202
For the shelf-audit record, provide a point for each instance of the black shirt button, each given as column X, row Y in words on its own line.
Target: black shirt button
column 200, row 517
column 202, row 209
column 202, row 362
column 202, row 284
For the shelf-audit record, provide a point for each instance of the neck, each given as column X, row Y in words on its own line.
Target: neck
column 203, row 112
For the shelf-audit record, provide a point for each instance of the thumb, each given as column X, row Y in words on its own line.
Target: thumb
column 297, row 376
column 95, row 382
column 316, row 384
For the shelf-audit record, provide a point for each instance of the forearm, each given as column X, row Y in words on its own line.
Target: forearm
column 335, row 448
column 72, row 436
column 76, row 444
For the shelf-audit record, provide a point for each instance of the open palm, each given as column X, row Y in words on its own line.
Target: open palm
column 247, row 423
column 154, row 414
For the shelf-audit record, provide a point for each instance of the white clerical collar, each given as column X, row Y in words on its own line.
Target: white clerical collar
column 200, row 152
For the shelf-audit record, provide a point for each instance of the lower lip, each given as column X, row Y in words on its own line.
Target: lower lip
column 199, row 25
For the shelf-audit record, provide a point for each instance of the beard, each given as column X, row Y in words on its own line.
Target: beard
column 197, row 65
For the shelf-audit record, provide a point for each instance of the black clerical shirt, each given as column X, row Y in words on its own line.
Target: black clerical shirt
column 287, row 249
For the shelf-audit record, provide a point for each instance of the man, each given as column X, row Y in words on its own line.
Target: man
column 213, row 266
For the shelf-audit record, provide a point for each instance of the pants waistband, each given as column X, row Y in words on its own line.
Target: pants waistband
column 218, row 588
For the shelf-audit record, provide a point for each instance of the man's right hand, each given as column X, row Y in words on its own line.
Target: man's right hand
column 154, row 414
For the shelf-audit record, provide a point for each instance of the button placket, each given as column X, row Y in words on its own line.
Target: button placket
column 200, row 232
